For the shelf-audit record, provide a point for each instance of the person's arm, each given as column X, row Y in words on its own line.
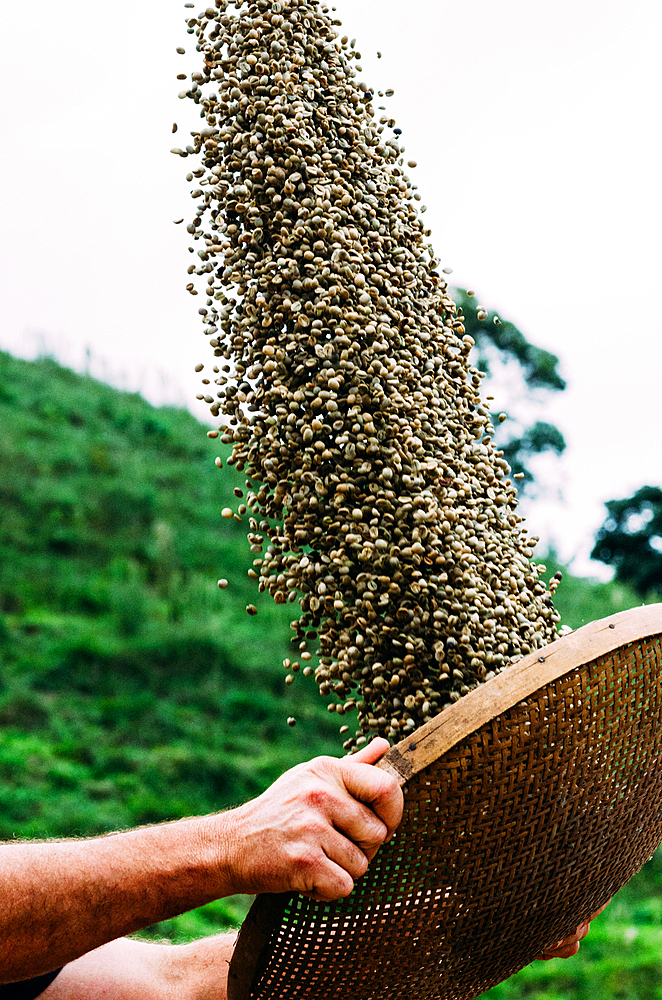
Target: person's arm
column 313, row 831
column 138, row 970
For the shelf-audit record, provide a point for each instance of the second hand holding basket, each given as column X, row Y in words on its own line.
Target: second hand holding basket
column 528, row 804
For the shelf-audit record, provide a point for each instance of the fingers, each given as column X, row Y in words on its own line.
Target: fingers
column 377, row 789
column 348, row 856
column 329, row 872
column 373, row 752
column 560, row 951
column 365, row 809
column 565, row 948
column 569, row 945
column 330, row 882
column 387, row 806
column 323, row 879
column 318, row 826
column 359, row 824
column 583, row 930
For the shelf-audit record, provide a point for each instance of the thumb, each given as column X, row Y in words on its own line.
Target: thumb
column 373, row 752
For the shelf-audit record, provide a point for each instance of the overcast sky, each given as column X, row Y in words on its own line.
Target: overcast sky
column 536, row 127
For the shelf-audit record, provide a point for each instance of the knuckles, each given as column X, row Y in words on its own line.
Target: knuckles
column 311, row 874
column 305, row 861
column 319, row 798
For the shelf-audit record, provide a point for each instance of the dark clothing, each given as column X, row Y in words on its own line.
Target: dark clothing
column 29, row 988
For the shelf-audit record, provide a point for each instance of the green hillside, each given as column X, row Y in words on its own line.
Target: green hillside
column 133, row 690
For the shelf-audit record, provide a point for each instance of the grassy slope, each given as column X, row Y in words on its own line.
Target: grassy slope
column 132, row 690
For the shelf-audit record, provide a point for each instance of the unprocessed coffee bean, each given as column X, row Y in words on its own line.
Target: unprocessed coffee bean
column 347, row 389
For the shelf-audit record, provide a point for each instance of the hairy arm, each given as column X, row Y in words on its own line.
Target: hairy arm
column 61, row 900
column 313, row 831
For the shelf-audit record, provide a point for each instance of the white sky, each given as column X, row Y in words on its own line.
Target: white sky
column 536, row 127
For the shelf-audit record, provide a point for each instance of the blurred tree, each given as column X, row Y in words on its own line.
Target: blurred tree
column 521, row 372
column 630, row 540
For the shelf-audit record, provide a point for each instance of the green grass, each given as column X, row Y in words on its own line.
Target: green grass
column 620, row 960
column 132, row 690
column 580, row 600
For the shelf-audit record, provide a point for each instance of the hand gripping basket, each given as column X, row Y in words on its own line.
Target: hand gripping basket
column 528, row 804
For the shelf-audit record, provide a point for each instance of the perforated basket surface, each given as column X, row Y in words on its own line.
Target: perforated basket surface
column 528, row 804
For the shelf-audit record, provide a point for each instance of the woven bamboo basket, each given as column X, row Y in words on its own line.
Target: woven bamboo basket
column 528, row 804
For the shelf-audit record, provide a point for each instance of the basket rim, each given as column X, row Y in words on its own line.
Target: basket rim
column 516, row 682
column 431, row 741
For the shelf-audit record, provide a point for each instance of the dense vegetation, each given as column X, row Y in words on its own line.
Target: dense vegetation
column 526, row 376
column 132, row 690
column 630, row 540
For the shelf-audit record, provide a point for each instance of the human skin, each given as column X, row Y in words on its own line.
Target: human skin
column 137, row 970
column 313, row 831
column 570, row 946
column 291, row 842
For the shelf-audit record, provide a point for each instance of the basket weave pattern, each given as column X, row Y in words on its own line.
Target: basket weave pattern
column 509, row 840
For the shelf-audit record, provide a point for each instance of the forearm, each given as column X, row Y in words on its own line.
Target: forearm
column 59, row 901
column 202, row 968
column 136, row 970
column 314, row 831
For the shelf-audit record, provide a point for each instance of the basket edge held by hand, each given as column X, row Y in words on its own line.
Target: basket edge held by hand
column 309, row 937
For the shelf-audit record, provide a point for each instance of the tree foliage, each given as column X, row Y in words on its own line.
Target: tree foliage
column 528, row 372
column 630, row 540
